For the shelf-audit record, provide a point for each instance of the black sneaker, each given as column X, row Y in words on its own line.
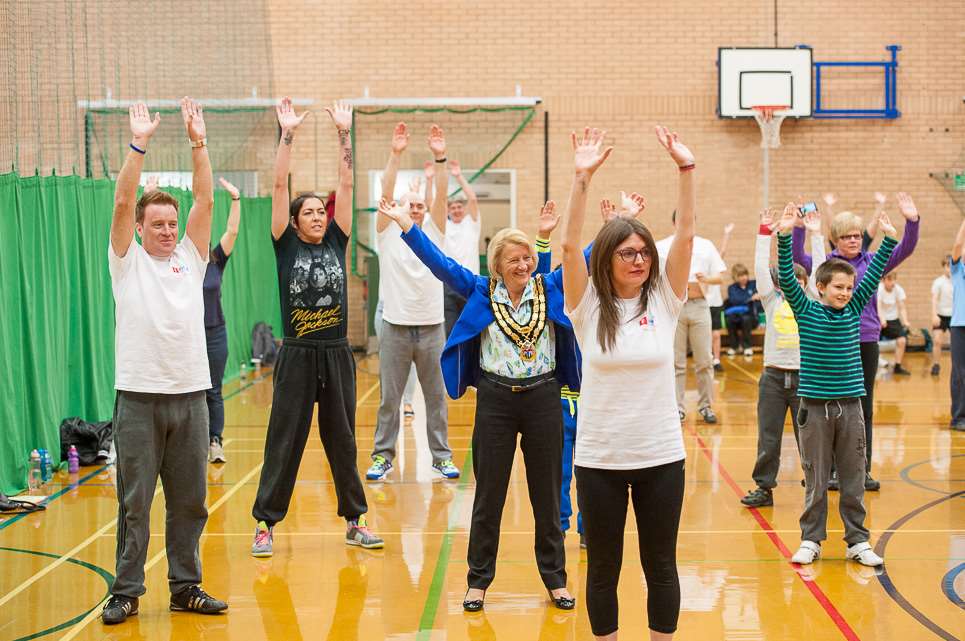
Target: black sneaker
column 708, row 415
column 759, row 497
column 871, row 485
column 936, row 369
column 118, row 608
column 833, row 482
column 900, row 371
column 194, row 599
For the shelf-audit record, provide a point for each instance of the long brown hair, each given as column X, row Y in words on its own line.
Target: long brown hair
column 601, row 271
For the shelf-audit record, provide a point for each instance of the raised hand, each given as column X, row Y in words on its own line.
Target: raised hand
column 880, row 199
column 588, row 152
column 829, row 199
column 728, row 228
column 396, row 211
column 141, row 124
column 812, row 222
column 429, row 169
column 415, row 185
column 907, row 206
column 341, row 114
column 193, row 116
column 884, row 223
column 788, row 219
column 400, row 138
column 454, row 168
column 287, row 119
column 767, row 218
column 231, row 189
column 437, row 142
column 549, row 218
column 677, row 150
column 633, row 205
column 608, row 210
column 151, row 184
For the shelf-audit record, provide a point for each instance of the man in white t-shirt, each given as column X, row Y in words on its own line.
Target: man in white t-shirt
column 161, row 373
column 462, row 239
column 694, row 325
column 412, row 317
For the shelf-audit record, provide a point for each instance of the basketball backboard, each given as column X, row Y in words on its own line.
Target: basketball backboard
column 752, row 76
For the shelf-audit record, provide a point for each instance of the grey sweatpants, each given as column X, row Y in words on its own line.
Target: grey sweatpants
column 832, row 431
column 776, row 394
column 166, row 435
column 402, row 345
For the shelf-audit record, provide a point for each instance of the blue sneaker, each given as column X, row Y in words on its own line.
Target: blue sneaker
column 380, row 467
column 447, row 469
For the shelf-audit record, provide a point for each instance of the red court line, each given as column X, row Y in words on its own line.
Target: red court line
column 775, row 538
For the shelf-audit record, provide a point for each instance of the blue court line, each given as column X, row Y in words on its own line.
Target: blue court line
column 906, row 476
column 948, row 585
column 885, row 580
column 53, row 497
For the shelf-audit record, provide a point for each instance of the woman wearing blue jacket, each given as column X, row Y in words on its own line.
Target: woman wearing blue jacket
column 514, row 343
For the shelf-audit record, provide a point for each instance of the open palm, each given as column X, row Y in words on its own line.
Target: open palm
column 288, row 120
column 341, row 114
column 588, row 152
column 437, row 141
column 193, row 116
column 400, row 138
column 549, row 218
column 141, row 124
column 677, row 150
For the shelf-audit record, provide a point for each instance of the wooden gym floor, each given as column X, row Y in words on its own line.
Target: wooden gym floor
column 736, row 580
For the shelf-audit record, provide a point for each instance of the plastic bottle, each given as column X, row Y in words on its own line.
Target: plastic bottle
column 46, row 467
column 73, row 460
column 34, row 475
column 244, row 371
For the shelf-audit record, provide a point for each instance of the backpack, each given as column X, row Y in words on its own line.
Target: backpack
column 263, row 344
column 92, row 440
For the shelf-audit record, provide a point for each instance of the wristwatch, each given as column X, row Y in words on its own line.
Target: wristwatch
column 197, row 144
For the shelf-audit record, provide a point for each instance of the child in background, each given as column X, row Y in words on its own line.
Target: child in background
column 830, row 417
column 777, row 388
column 741, row 310
column 894, row 317
column 941, row 311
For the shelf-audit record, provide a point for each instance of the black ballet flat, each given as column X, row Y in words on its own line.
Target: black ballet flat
column 475, row 605
column 562, row 603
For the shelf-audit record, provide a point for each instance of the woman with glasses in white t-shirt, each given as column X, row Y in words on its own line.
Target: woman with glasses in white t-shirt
column 629, row 443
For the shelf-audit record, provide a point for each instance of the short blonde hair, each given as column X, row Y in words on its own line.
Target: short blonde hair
column 497, row 245
column 843, row 223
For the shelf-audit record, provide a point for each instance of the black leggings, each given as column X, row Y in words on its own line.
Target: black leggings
column 869, row 365
column 657, row 494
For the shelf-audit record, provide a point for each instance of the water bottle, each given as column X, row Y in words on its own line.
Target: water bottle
column 34, row 480
column 46, row 467
column 244, row 371
column 73, row 460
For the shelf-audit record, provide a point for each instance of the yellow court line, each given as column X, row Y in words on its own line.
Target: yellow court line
column 742, row 370
column 95, row 613
column 368, row 393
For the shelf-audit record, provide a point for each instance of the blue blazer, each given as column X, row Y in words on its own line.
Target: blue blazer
column 460, row 357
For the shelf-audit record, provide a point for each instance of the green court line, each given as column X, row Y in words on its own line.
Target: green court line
column 431, row 605
column 104, row 574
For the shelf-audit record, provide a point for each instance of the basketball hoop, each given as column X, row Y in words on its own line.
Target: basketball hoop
column 770, row 120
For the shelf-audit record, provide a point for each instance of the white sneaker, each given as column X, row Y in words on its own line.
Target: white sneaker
column 808, row 553
column 731, row 351
column 863, row 554
column 748, row 352
column 216, row 452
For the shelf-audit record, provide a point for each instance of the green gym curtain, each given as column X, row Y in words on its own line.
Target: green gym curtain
column 57, row 327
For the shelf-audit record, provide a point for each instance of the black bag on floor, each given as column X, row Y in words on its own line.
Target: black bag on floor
column 92, row 440
column 263, row 343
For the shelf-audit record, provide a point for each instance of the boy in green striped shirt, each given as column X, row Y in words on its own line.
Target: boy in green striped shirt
column 830, row 417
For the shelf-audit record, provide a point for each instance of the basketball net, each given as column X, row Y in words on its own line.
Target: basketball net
column 770, row 120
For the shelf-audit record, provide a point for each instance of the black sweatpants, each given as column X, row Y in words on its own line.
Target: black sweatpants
column 657, row 494
column 217, row 341
column 502, row 415
column 307, row 372
column 869, row 366
column 739, row 328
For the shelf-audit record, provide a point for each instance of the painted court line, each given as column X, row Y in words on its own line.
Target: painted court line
column 835, row 615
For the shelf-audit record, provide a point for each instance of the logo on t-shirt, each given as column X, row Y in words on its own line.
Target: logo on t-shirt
column 177, row 267
column 647, row 321
column 315, row 291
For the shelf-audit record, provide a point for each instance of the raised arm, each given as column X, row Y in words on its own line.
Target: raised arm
column 234, row 218
column 959, row 243
column 819, row 249
column 341, row 115
column 429, row 169
column 437, row 145
column 868, row 285
column 198, row 227
column 725, row 239
column 400, row 140
column 125, row 192
column 762, row 254
column 288, row 122
column 798, row 253
column 588, row 156
column 909, row 239
column 472, row 203
column 871, row 230
column 549, row 218
column 682, row 247
column 793, row 293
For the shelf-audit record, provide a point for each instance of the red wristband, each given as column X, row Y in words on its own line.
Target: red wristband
column 689, row 167
column 764, row 230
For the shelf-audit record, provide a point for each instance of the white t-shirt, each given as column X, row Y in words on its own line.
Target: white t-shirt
column 412, row 295
column 462, row 242
column 943, row 287
column 628, row 409
column 888, row 301
column 705, row 260
column 159, row 341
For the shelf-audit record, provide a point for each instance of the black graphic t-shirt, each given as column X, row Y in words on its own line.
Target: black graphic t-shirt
column 311, row 285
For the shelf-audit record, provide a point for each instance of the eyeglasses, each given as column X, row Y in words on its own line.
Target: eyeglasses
column 850, row 237
column 629, row 255
column 516, row 262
